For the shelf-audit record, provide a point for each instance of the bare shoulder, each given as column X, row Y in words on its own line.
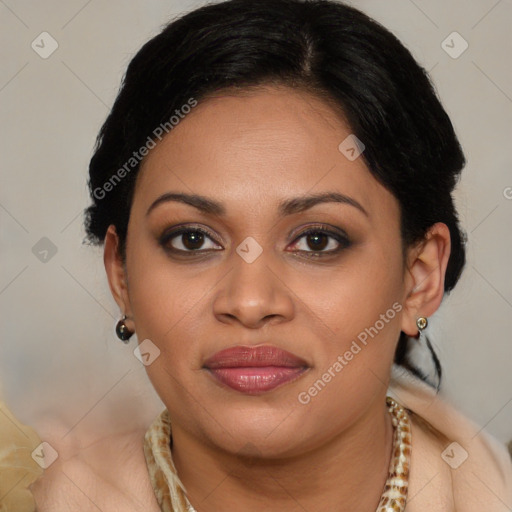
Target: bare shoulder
column 109, row 474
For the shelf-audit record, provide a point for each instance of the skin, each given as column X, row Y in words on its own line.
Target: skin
column 250, row 151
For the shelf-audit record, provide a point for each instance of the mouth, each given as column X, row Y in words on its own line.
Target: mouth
column 255, row 370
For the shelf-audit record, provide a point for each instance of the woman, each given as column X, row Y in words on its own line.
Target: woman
column 273, row 191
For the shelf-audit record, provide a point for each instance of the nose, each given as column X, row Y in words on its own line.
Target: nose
column 253, row 294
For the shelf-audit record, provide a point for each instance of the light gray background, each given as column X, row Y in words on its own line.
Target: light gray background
column 60, row 362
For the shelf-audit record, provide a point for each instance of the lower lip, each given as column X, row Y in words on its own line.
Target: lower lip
column 255, row 380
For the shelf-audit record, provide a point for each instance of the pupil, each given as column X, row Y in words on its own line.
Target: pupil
column 193, row 240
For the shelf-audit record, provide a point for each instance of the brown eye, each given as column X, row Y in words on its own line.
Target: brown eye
column 318, row 242
column 192, row 239
column 187, row 240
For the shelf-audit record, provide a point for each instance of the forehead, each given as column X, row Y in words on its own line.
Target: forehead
column 257, row 147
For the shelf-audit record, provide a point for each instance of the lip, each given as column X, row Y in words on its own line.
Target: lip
column 255, row 370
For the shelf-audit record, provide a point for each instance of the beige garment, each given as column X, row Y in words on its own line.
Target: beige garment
column 455, row 464
column 113, row 474
column 17, row 467
column 107, row 475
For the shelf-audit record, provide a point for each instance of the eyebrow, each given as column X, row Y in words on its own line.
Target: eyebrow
column 286, row 207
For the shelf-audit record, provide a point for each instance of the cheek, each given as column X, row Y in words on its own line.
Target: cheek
column 164, row 299
column 363, row 311
column 161, row 293
column 361, row 305
column 164, row 302
column 355, row 296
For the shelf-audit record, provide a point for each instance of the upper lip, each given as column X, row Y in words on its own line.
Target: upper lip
column 250, row 357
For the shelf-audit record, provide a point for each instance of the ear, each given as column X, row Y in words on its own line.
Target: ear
column 426, row 268
column 116, row 274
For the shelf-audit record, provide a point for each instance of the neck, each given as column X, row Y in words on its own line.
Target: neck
column 347, row 473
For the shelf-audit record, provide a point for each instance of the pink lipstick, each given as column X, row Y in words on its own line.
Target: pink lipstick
column 255, row 370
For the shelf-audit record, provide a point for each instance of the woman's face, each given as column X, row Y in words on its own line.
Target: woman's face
column 329, row 303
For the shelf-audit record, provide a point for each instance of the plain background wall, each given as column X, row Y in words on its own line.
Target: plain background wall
column 59, row 358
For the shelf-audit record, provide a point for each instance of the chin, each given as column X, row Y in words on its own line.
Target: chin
column 259, row 430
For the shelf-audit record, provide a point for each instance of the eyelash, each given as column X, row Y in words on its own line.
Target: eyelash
column 342, row 240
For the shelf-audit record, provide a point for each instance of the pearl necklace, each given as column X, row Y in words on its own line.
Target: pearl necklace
column 171, row 497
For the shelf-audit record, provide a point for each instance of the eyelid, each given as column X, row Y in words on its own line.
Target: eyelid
column 325, row 228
